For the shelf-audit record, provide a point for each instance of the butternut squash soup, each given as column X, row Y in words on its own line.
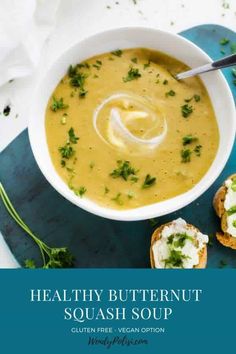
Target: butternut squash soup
column 122, row 131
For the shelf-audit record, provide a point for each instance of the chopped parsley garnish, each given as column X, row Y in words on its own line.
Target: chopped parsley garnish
column 186, row 110
column 134, row 179
column 124, row 170
column 224, row 41
column 186, row 155
column 72, row 137
column 179, row 239
column 233, row 185
column 233, row 48
column 149, row 181
column 198, row 150
column 146, row 65
column 82, row 93
column 197, row 98
column 130, row 195
column 91, row 165
column 117, row 53
column 106, row 190
column 234, row 72
column 117, row 199
column 165, row 82
column 175, row 259
column 170, row 93
column 225, row 5
column 83, row 65
column 153, row 222
column 222, row 264
column 80, row 191
column 66, row 151
column 188, row 139
column 58, row 104
column 234, row 223
column 231, row 210
column 98, row 64
column 6, row 110
column 134, row 60
column 30, row 264
column 133, row 74
column 77, row 79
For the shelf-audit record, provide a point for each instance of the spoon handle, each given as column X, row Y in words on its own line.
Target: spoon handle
column 219, row 64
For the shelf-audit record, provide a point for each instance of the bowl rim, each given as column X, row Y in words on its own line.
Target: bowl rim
column 148, row 211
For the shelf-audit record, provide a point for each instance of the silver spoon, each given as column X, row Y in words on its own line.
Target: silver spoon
column 215, row 65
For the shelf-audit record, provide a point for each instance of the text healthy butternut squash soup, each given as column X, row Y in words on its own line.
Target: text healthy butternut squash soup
column 122, row 131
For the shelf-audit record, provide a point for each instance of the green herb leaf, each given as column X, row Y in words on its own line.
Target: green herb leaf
column 222, row 264
column 233, row 185
column 233, row 72
column 134, row 60
column 133, row 74
column 124, row 170
column 66, row 151
column 231, row 210
column 29, row 263
column 175, row 259
column 179, row 240
column 117, row 53
column 58, row 104
column 165, row 82
column 117, row 199
column 6, row 111
column 233, row 48
column 170, row 93
column 153, row 222
column 106, row 190
column 149, row 181
column 188, row 139
column 197, row 98
column 224, row 41
column 198, row 150
column 52, row 257
column 72, row 137
column 146, row 65
column 80, row 191
column 186, row 155
column 186, row 110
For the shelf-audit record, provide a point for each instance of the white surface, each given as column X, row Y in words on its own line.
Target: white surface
column 23, row 37
column 78, row 18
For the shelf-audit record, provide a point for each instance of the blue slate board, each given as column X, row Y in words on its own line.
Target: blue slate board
column 97, row 242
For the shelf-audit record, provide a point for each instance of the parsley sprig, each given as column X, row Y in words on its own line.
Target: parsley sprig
column 58, row 104
column 52, row 257
column 133, row 74
column 124, row 170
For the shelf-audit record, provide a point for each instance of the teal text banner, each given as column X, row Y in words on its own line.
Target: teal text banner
column 163, row 312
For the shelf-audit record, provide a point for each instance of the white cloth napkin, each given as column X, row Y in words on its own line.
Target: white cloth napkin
column 24, row 27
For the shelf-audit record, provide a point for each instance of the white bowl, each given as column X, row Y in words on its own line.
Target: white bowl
column 122, row 38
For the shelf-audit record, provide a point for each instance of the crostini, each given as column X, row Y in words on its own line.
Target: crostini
column 224, row 204
column 178, row 245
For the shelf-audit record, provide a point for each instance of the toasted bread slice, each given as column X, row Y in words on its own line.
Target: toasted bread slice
column 156, row 236
column 218, row 203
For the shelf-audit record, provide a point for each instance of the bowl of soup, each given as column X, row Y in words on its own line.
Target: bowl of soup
column 115, row 133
